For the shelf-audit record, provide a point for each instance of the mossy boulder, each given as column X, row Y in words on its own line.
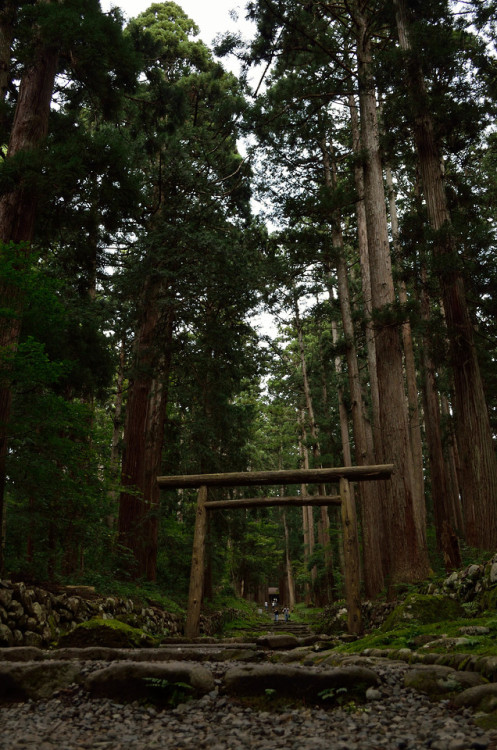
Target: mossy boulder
column 277, row 641
column 333, row 685
column 35, row 680
column 166, row 684
column 424, row 609
column 478, row 697
column 109, row 633
column 438, row 681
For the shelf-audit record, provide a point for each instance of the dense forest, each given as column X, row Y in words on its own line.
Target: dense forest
column 153, row 204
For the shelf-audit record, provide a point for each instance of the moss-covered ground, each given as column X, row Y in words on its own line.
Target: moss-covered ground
column 447, row 636
column 236, row 618
column 142, row 593
column 246, row 620
column 304, row 613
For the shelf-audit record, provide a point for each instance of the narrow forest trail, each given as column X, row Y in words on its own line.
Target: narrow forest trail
column 281, row 626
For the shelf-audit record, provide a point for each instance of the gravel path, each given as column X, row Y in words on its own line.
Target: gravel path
column 395, row 718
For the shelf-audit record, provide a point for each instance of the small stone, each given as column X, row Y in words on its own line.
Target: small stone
column 493, row 573
column 474, row 630
column 5, row 597
column 440, row 744
column 372, row 694
column 473, row 571
column 458, row 743
column 6, row 636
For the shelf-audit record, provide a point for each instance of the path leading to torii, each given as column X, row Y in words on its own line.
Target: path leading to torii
column 347, row 703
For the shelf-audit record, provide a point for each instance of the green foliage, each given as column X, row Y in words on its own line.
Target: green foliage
column 50, row 463
column 236, row 617
column 168, row 693
column 174, row 556
column 57, row 462
column 308, row 614
column 333, row 695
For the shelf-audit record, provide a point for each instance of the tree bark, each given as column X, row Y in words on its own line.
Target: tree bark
column 371, row 510
column 410, row 364
column 307, row 520
column 447, row 540
column 17, row 219
column 362, row 243
column 478, row 476
column 452, row 458
column 316, row 452
column 115, row 458
column 144, row 434
column 288, row 565
column 325, row 523
column 406, row 540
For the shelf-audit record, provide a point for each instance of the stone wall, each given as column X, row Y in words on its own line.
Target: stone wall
column 333, row 619
column 32, row 616
column 475, row 583
column 474, row 586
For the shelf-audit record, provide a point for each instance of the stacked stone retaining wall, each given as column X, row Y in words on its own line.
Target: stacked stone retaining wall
column 33, row 616
column 474, row 583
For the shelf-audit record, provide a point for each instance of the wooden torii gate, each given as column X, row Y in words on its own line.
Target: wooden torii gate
column 342, row 475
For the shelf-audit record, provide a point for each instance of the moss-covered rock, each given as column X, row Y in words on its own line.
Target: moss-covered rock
column 277, row 641
column 109, row 633
column 486, row 721
column 35, row 680
column 423, row 609
column 163, row 684
column 478, row 697
column 438, row 681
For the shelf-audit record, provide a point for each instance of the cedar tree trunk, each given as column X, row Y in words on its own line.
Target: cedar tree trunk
column 17, row 218
column 478, row 474
column 144, row 435
column 405, row 538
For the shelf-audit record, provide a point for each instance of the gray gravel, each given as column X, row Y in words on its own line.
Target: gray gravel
column 395, row 718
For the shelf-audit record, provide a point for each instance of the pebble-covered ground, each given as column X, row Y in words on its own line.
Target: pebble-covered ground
column 394, row 718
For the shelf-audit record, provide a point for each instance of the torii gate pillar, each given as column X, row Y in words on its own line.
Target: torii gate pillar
column 198, row 565
column 351, row 558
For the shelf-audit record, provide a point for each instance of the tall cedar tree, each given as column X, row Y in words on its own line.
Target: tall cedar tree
column 310, row 30
column 190, row 106
column 75, row 38
column 478, row 469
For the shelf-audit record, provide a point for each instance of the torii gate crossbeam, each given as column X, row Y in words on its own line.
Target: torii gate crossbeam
column 341, row 475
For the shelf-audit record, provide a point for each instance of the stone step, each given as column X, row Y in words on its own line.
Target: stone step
column 291, row 626
column 278, row 627
column 295, row 631
column 154, row 682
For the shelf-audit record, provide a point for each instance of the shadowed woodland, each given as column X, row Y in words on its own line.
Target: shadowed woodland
column 155, row 207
